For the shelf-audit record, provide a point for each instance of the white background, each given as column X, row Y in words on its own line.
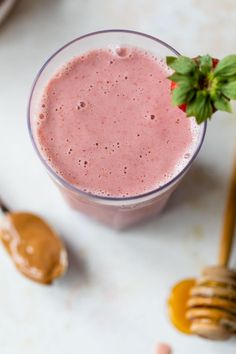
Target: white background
column 113, row 300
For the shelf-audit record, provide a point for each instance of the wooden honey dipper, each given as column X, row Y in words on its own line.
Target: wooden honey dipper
column 211, row 307
column 207, row 306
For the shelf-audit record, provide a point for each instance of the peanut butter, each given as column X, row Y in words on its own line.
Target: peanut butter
column 34, row 247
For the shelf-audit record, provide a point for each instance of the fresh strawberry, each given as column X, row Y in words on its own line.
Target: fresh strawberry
column 174, row 85
column 214, row 62
column 203, row 85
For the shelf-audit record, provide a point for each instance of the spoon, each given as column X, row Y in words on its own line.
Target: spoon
column 207, row 306
column 33, row 245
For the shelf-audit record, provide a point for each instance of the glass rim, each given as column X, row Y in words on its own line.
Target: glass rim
column 72, row 187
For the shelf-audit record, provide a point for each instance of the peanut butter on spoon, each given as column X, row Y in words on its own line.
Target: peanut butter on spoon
column 33, row 245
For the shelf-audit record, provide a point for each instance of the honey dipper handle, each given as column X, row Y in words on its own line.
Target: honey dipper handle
column 229, row 221
column 3, row 207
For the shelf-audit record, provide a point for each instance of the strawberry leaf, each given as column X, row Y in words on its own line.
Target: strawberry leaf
column 205, row 64
column 200, row 107
column 229, row 90
column 170, row 60
column 191, row 95
column 226, row 67
column 229, row 79
column 222, row 104
column 181, row 64
column 182, row 79
column 180, row 95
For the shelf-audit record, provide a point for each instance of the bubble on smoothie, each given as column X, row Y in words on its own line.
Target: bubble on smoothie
column 187, row 155
column 123, row 52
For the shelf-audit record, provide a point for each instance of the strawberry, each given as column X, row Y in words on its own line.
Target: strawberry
column 174, row 85
column 203, row 85
column 214, row 62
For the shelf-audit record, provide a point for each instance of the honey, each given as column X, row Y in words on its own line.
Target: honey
column 177, row 305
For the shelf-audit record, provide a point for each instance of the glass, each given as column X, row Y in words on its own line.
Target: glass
column 116, row 212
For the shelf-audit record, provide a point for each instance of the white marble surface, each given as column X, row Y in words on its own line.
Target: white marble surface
column 113, row 299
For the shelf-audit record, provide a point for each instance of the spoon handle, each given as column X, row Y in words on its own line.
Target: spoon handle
column 229, row 221
column 3, row 207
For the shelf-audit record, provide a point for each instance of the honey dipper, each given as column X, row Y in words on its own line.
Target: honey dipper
column 211, row 307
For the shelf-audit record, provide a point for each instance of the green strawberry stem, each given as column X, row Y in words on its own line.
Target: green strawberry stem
column 203, row 84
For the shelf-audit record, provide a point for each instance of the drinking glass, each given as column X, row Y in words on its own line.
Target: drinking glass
column 120, row 212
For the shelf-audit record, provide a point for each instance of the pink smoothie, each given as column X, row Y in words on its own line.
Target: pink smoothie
column 106, row 124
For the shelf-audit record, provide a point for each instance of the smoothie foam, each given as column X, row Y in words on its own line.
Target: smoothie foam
column 106, row 124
